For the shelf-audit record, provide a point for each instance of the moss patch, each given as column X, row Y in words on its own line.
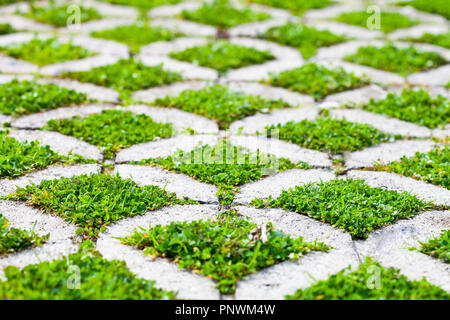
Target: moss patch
column 94, row 201
column 58, row 15
column 415, row 106
column 223, row 56
column 306, row 39
column 317, row 81
column 15, row 240
column 297, row 6
column 225, row 166
column 389, row 21
column 100, row 279
column 137, row 35
column 112, row 130
column 432, row 167
column 220, row 104
column 348, row 204
column 222, row 14
column 143, row 4
column 18, row 158
column 438, row 247
column 126, row 76
column 44, row 52
column 325, row 134
column 356, row 285
column 442, row 40
column 6, row 28
column 226, row 249
column 436, row 6
column 393, row 59
column 18, row 98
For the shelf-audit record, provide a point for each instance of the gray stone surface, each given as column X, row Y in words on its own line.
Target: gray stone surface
column 182, row 185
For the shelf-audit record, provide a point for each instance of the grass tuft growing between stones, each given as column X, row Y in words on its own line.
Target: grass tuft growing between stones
column 442, row 40
column 226, row 249
column 94, row 201
column 222, row 14
column 306, row 39
column 438, row 247
column 225, row 166
column 143, row 5
column 15, row 240
column 58, row 15
column 220, row 104
column 223, row 56
column 317, row 81
column 416, row 106
column 45, row 52
column 6, row 28
column 436, row 6
column 432, row 167
column 18, row 158
column 348, row 204
column 297, row 6
column 389, row 284
column 100, row 279
column 137, row 35
column 402, row 61
column 326, row 134
column 390, row 21
column 19, row 98
column 126, row 76
column 112, row 130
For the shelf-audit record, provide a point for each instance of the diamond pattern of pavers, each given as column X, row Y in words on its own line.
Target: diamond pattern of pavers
column 224, row 149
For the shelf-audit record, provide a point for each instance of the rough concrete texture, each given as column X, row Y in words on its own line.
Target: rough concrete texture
column 59, row 143
column 8, row 186
column 164, row 147
column 391, row 181
column 274, row 185
column 182, row 185
column 387, row 152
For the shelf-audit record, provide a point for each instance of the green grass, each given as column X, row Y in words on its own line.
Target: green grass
column 220, row 104
column 306, row 39
column 94, row 201
column 348, row 204
column 317, row 81
column 58, row 15
column 99, row 279
column 325, row 134
column 389, row 21
column 436, row 6
column 15, row 240
column 223, row 56
column 415, row 106
column 389, row 284
column 137, row 35
column 126, row 76
column 226, row 249
column 442, row 40
column 222, row 14
column 19, row 98
column 295, row 6
column 18, row 158
column 438, row 247
column 44, row 52
column 393, row 59
column 225, row 166
column 143, row 5
column 448, row 85
column 6, row 28
column 112, row 130
column 432, row 167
